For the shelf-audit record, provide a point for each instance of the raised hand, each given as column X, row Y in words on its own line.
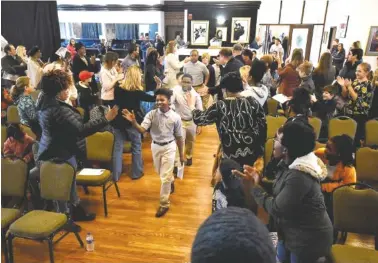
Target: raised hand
column 341, row 81
column 249, row 175
column 187, row 59
column 112, row 113
column 130, row 116
column 347, row 82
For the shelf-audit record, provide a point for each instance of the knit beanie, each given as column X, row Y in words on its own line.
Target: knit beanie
column 233, row 235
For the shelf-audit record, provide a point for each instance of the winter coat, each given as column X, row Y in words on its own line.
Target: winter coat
column 298, row 208
column 63, row 130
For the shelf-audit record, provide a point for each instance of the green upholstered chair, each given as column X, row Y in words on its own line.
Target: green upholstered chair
column 81, row 111
column 367, row 166
column 56, row 181
column 28, row 131
column 342, row 125
column 274, row 123
column 13, row 184
column 127, row 147
column 350, row 254
column 272, row 107
column 99, row 149
column 355, row 210
column 12, row 114
column 316, row 123
column 371, row 134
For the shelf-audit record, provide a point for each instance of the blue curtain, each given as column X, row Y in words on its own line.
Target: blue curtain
column 126, row 31
column 152, row 30
column 91, row 30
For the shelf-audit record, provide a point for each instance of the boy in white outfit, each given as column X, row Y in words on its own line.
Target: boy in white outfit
column 165, row 129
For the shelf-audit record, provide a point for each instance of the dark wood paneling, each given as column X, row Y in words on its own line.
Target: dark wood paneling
column 210, row 11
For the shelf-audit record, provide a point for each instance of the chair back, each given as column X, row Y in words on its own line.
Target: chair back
column 274, row 123
column 268, row 151
column 342, row 125
column 100, row 147
column 12, row 114
column 355, row 210
column 371, row 133
column 367, row 164
column 81, row 111
column 56, row 181
column 28, row 131
column 14, row 175
column 272, row 107
column 316, row 123
column 3, row 135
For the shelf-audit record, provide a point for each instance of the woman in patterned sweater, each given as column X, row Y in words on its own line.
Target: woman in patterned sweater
column 358, row 95
column 240, row 122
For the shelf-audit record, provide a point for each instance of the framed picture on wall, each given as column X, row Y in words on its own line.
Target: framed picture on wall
column 343, row 27
column 372, row 43
column 240, row 29
column 221, row 33
column 199, row 33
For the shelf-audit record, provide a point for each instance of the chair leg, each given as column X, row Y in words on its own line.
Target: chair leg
column 117, row 189
column 79, row 239
column 104, row 197
column 5, row 246
column 51, row 250
column 344, row 236
column 10, row 243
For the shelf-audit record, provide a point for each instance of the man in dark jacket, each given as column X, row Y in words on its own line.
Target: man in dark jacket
column 63, row 132
column 159, row 45
column 297, row 205
column 12, row 66
column 353, row 60
column 230, row 64
column 81, row 62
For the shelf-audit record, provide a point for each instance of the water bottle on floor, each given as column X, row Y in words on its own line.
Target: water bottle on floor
column 90, row 242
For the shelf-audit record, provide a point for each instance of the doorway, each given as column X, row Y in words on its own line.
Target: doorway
column 172, row 31
column 300, row 36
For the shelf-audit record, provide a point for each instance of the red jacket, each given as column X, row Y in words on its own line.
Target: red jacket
column 72, row 50
column 289, row 80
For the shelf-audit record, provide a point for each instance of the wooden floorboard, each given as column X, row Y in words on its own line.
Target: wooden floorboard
column 131, row 233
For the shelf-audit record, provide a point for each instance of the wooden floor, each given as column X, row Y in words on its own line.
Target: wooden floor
column 131, row 233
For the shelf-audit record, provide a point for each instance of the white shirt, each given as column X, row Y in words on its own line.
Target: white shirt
column 35, row 72
column 181, row 105
column 172, row 64
column 217, row 74
column 106, row 77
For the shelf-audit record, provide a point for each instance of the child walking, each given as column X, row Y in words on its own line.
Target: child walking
column 165, row 128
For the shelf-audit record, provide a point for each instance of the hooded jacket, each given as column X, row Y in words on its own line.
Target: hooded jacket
column 298, row 208
column 63, row 130
column 260, row 93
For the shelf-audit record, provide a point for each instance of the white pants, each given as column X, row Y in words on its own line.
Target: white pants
column 164, row 161
column 189, row 133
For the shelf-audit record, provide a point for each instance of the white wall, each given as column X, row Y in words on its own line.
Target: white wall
column 124, row 17
column 362, row 15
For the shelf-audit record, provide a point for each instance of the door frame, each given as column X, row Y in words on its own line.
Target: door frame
column 309, row 38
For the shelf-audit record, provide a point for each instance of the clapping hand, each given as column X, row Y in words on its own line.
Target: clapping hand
column 187, row 59
column 112, row 113
column 341, row 81
column 249, row 175
column 158, row 81
column 347, row 82
column 130, row 116
column 93, row 59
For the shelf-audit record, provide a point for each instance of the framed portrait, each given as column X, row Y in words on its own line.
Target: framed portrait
column 343, row 27
column 221, row 33
column 240, row 29
column 199, row 32
column 372, row 43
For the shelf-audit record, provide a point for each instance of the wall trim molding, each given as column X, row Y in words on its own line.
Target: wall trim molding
column 168, row 6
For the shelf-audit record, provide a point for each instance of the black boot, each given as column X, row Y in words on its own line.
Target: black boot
column 79, row 214
column 172, row 187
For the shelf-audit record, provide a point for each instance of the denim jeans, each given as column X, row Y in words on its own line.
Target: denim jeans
column 284, row 255
column 136, row 151
column 61, row 206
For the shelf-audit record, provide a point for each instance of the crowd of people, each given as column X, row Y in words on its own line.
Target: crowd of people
column 171, row 100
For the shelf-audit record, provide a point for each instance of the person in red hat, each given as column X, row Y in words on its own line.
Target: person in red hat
column 86, row 96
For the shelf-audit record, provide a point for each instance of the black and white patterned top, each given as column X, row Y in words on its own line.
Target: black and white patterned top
column 241, row 127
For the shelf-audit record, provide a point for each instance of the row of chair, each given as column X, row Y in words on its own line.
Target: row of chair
column 34, row 224
column 337, row 126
